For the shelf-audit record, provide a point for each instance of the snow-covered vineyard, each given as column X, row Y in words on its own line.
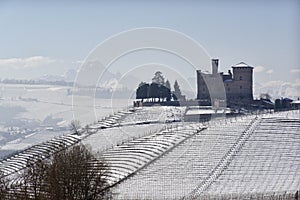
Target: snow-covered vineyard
column 18, row 161
column 113, row 130
column 152, row 154
column 251, row 157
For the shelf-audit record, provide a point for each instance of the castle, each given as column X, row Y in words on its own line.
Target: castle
column 238, row 84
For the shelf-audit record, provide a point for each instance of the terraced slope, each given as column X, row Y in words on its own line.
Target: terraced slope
column 268, row 163
column 237, row 157
column 232, row 158
column 128, row 158
column 101, row 136
column 18, row 161
column 189, row 164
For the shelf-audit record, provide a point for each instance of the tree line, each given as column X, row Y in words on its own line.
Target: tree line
column 158, row 90
column 36, row 82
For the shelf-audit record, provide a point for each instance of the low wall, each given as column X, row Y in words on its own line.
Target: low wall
column 172, row 103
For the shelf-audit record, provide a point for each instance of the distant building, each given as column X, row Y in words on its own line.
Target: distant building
column 238, row 84
column 295, row 104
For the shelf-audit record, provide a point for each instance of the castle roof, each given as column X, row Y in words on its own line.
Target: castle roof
column 242, row 64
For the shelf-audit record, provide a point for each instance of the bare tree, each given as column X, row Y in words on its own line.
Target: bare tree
column 34, row 180
column 72, row 174
column 80, row 175
column 4, row 189
column 265, row 96
column 75, row 126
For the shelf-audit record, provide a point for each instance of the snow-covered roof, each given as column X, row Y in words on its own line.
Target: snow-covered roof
column 241, row 64
column 206, row 111
column 296, row 102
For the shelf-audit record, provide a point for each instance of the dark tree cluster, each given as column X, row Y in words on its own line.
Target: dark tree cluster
column 282, row 104
column 72, row 174
column 158, row 90
column 153, row 91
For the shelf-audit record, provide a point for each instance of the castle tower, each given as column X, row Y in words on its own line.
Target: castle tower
column 202, row 92
column 243, row 81
column 215, row 65
column 203, row 79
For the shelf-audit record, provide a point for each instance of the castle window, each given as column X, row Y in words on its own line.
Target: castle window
column 241, row 78
column 241, row 87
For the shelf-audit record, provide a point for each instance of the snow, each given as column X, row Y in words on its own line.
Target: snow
column 206, row 111
column 108, row 138
column 128, row 157
column 269, row 161
column 243, row 156
column 32, row 114
column 241, row 64
column 18, row 161
column 155, row 114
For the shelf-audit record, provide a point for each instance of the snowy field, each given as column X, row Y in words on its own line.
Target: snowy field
column 108, row 138
column 31, row 114
column 142, row 122
column 129, row 157
column 156, row 114
column 248, row 156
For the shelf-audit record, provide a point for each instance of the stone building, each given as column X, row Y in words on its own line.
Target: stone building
column 237, row 85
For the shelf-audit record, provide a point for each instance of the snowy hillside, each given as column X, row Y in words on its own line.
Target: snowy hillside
column 248, row 156
column 152, row 154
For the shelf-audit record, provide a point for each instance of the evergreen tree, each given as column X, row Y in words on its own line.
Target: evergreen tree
column 158, row 78
column 168, row 85
column 278, row 104
column 154, row 91
column 167, row 92
column 177, row 92
column 142, row 92
column 157, row 89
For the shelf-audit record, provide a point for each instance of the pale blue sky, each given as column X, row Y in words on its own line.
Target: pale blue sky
column 260, row 33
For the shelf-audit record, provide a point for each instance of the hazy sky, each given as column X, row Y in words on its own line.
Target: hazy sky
column 50, row 37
